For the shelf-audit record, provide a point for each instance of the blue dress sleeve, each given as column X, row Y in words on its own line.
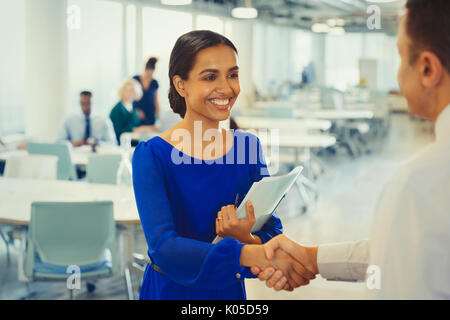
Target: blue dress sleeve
column 186, row 261
column 273, row 226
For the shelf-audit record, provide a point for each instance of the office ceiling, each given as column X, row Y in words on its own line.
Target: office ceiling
column 303, row 13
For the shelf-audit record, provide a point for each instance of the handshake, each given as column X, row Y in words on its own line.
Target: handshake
column 281, row 262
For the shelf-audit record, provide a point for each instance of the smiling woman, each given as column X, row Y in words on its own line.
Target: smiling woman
column 180, row 203
column 204, row 74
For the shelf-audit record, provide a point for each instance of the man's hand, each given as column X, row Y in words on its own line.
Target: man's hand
column 79, row 143
column 306, row 256
column 289, row 273
column 296, row 274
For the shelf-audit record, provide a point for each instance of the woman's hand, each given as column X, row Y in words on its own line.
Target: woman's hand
column 229, row 225
column 285, row 273
column 306, row 256
column 141, row 114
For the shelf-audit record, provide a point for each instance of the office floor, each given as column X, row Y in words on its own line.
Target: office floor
column 349, row 190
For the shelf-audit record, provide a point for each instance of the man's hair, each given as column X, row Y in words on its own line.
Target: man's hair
column 86, row 93
column 428, row 26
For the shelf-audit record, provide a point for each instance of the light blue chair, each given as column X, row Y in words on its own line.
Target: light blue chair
column 102, row 168
column 63, row 234
column 66, row 167
column 278, row 111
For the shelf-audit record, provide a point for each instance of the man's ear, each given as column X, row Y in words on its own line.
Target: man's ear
column 430, row 68
column 179, row 85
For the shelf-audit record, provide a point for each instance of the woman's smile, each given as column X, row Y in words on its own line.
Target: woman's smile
column 220, row 103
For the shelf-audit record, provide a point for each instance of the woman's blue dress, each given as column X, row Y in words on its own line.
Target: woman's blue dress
column 178, row 204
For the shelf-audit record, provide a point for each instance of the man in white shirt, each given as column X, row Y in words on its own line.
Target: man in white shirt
column 85, row 129
column 409, row 250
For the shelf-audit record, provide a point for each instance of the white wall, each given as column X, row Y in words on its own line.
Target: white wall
column 241, row 34
column 12, row 66
column 95, row 54
column 161, row 29
column 342, row 56
column 46, row 74
column 280, row 54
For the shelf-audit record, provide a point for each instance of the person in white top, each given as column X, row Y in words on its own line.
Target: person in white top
column 86, row 129
column 409, row 249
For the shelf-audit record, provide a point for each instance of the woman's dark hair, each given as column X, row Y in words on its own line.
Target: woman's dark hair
column 150, row 65
column 428, row 26
column 182, row 60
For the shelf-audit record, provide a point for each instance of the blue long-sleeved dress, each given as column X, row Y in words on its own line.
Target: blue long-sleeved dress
column 178, row 198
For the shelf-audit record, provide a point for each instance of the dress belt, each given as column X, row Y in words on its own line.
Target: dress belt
column 157, row 269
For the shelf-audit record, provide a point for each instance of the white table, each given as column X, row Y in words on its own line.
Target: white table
column 80, row 155
column 16, row 196
column 330, row 114
column 279, row 123
column 301, row 142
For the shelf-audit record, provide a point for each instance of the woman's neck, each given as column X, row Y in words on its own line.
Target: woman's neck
column 146, row 77
column 193, row 119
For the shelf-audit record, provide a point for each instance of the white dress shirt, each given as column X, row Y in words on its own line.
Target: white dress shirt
column 73, row 129
column 410, row 239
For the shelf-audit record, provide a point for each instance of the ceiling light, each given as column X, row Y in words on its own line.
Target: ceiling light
column 381, row 1
column 337, row 31
column 176, row 2
column 331, row 22
column 320, row 28
column 340, row 22
column 247, row 12
column 244, row 13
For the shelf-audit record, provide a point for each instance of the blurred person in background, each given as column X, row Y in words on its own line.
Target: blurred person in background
column 148, row 105
column 123, row 115
column 84, row 128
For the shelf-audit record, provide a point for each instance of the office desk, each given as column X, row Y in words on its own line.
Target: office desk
column 277, row 123
column 301, row 142
column 80, row 155
column 329, row 114
column 16, row 196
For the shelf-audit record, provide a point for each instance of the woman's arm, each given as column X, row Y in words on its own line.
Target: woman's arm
column 229, row 225
column 186, row 261
column 157, row 108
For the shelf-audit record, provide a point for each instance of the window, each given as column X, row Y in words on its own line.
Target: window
column 95, row 54
column 162, row 28
column 342, row 54
column 204, row 22
column 12, row 66
column 279, row 55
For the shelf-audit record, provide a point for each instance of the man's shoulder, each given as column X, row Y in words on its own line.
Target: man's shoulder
column 426, row 172
column 98, row 118
column 73, row 117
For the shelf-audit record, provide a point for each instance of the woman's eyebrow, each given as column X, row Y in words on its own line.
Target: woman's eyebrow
column 217, row 71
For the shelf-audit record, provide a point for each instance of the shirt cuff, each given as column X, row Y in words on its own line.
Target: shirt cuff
column 336, row 262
